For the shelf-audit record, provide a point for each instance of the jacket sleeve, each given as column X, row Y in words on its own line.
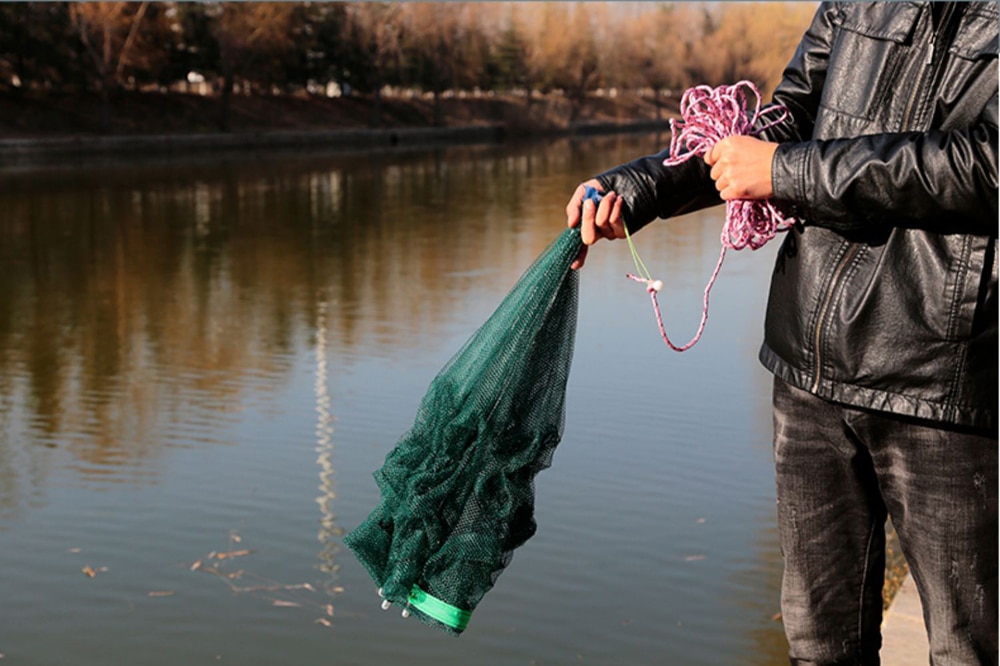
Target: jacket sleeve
column 926, row 180
column 921, row 179
column 651, row 190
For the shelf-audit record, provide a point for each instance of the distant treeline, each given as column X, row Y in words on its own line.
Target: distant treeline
column 374, row 48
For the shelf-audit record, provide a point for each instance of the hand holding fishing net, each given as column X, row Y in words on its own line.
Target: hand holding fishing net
column 457, row 491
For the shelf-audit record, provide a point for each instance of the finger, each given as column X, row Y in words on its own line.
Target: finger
column 712, row 156
column 603, row 219
column 616, row 218
column 588, row 232
column 737, row 192
column 606, row 217
column 580, row 258
column 716, row 172
column 721, row 184
column 733, row 191
column 573, row 207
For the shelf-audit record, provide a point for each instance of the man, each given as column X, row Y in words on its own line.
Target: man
column 881, row 326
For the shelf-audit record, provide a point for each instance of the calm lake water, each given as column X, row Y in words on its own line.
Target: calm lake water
column 202, row 363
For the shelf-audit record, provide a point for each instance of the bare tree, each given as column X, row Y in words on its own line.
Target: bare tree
column 365, row 46
column 569, row 53
column 250, row 36
column 509, row 56
column 431, row 35
column 655, row 50
column 752, row 41
column 108, row 32
column 373, row 30
column 534, row 21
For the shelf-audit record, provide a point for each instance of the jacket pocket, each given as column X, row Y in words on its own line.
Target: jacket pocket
column 968, row 87
column 977, row 32
column 864, row 55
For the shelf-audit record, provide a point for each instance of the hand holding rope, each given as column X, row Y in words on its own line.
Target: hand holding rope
column 709, row 115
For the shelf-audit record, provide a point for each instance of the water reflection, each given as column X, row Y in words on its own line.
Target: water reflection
column 157, row 313
column 133, row 294
column 329, row 532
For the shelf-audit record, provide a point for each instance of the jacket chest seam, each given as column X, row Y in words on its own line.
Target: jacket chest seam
column 961, row 347
column 952, row 398
column 957, row 288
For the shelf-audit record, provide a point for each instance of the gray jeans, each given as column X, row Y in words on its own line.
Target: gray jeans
column 840, row 471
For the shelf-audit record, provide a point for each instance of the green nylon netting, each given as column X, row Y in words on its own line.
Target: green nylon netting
column 458, row 488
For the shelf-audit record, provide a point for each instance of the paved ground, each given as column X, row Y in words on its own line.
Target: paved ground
column 904, row 639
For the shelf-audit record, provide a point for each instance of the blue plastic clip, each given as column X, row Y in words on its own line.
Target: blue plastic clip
column 592, row 194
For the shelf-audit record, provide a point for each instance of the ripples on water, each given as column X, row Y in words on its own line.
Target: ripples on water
column 215, row 355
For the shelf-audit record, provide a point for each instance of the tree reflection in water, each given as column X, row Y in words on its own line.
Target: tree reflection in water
column 329, row 532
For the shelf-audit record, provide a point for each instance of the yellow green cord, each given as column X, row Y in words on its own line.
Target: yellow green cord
column 639, row 266
column 595, row 196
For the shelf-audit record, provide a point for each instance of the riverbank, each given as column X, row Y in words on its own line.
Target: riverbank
column 54, row 124
column 167, row 144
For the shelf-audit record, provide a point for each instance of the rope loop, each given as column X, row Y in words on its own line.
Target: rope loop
column 709, row 115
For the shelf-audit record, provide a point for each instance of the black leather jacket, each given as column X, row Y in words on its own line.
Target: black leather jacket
column 886, row 297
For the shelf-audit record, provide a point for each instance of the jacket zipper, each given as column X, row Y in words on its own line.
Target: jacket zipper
column 929, row 62
column 818, row 336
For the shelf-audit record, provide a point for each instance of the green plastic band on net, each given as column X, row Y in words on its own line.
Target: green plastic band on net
column 443, row 612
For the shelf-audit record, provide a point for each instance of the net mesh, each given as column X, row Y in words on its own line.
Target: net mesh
column 457, row 491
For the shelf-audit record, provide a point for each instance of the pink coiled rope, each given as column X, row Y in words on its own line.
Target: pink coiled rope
column 709, row 115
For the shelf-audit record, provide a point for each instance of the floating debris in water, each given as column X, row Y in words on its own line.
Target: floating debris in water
column 289, row 595
column 285, row 604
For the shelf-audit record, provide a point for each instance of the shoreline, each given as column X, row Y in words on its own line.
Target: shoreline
column 14, row 150
column 28, row 149
column 39, row 126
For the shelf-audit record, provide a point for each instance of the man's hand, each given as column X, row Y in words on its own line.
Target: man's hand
column 604, row 221
column 741, row 167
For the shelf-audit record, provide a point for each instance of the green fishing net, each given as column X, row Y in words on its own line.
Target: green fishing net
column 457, row 491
